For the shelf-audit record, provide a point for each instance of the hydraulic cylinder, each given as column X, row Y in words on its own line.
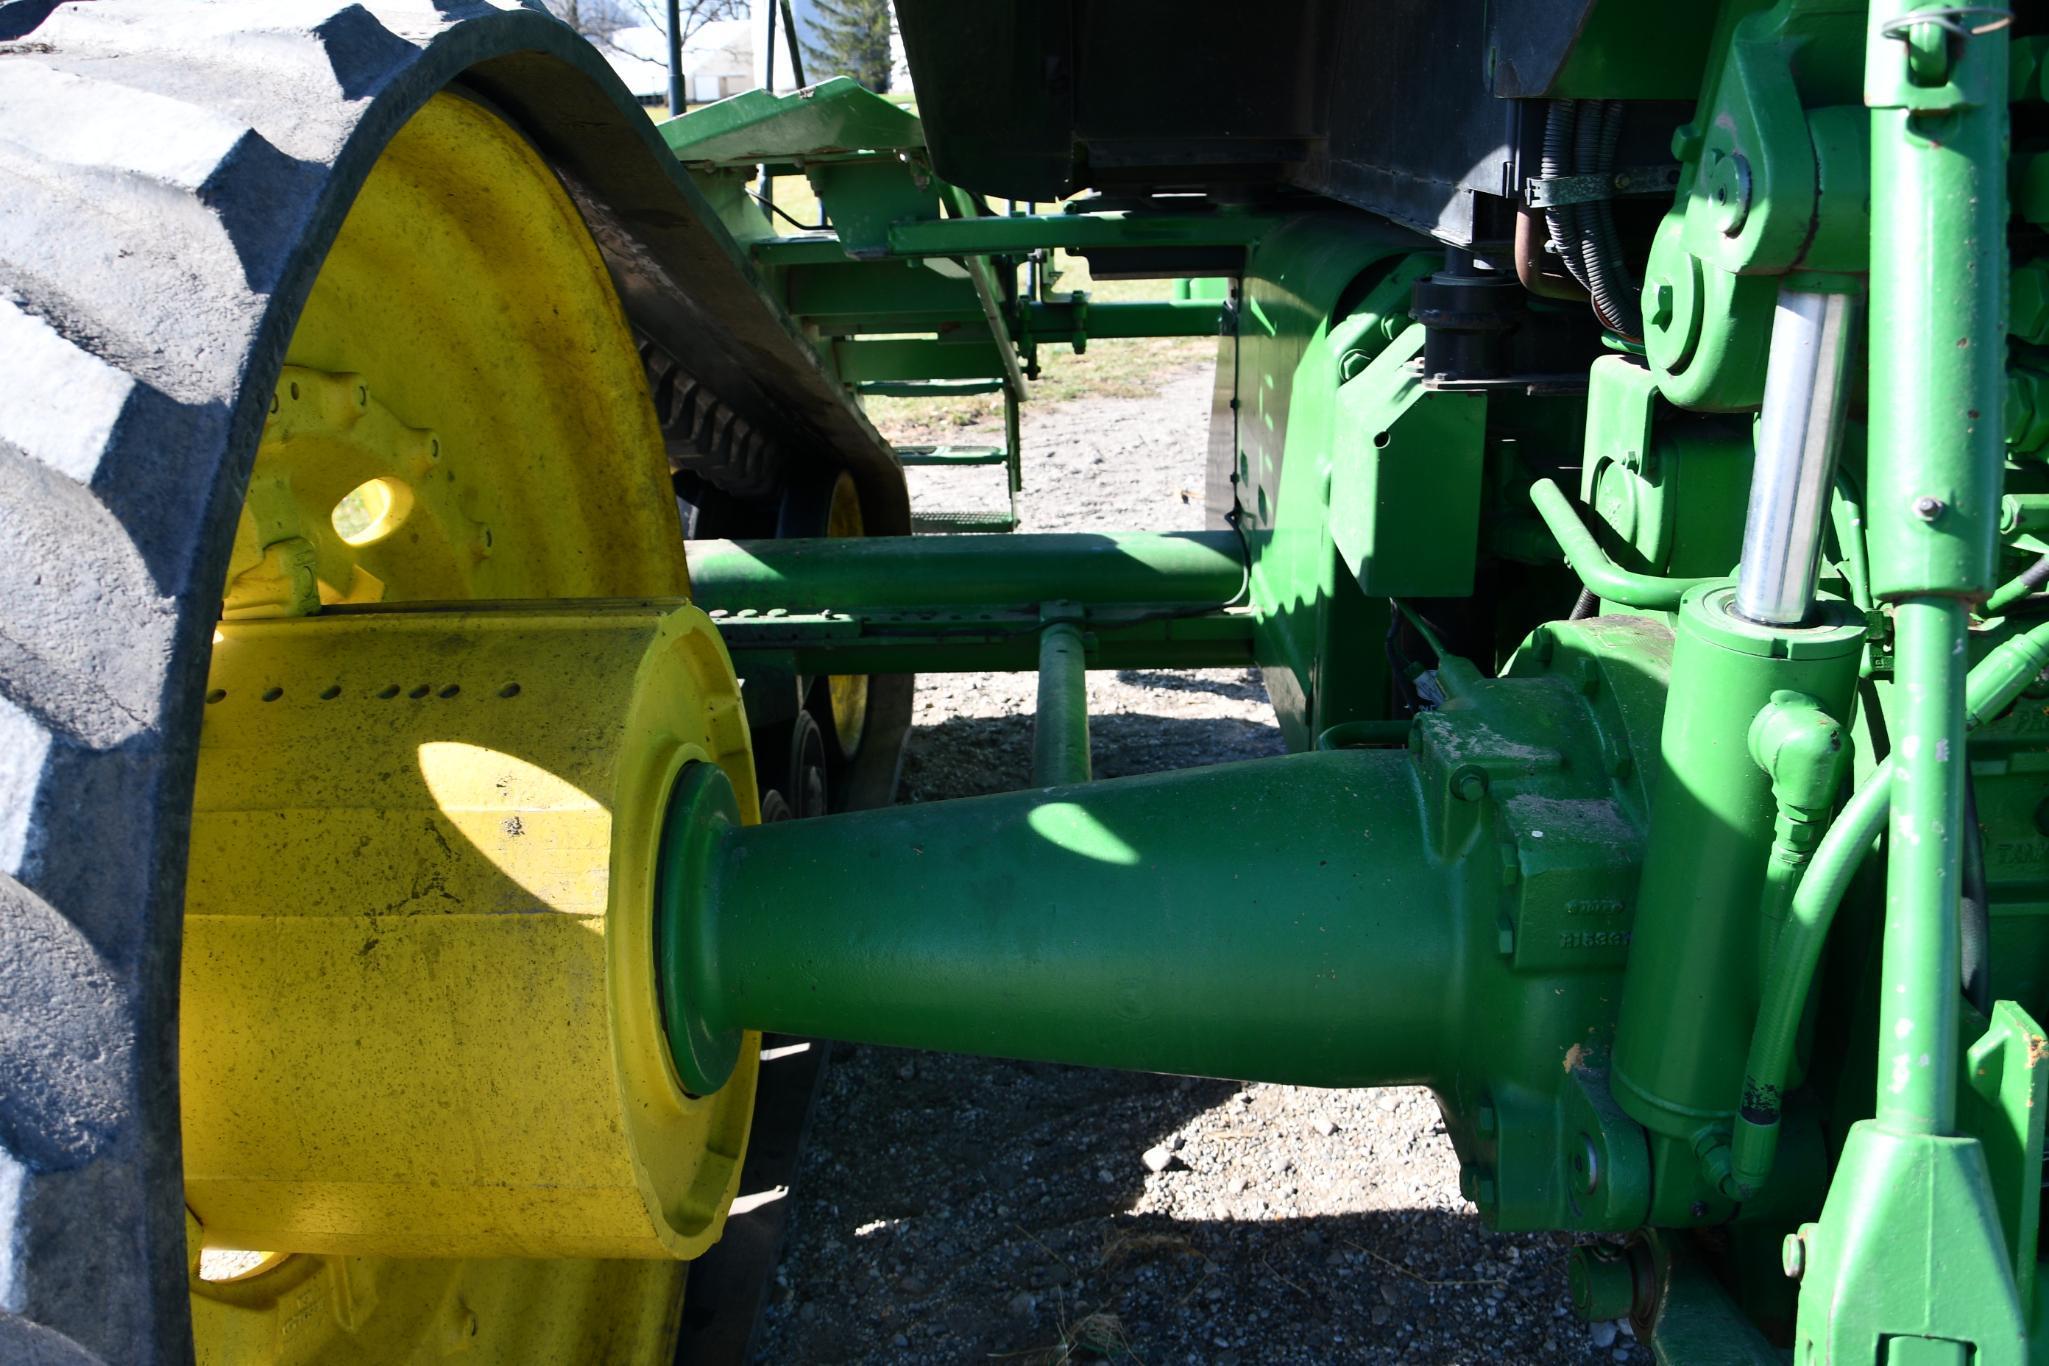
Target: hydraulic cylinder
column 1690, row 995
column 1278, row 919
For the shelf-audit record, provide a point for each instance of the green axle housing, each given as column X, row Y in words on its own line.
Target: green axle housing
column 1456, row 913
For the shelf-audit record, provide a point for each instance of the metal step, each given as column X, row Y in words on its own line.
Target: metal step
column 946, row 522
column 951, row 456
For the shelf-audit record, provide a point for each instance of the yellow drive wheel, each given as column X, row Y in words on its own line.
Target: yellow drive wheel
column 427, row 1108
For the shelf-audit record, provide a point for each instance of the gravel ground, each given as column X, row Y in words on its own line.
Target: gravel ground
column 960, row 1209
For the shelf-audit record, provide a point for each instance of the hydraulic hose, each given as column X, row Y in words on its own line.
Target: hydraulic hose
column 1600, row 246
column 1991, row 689
column 2028, row 581
column 1554, row 161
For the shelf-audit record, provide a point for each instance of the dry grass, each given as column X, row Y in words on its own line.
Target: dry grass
column 1125, row 1244
column 1098, row 1336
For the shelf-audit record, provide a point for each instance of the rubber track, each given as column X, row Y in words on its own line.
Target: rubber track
column 705, row 437
column 170, row 177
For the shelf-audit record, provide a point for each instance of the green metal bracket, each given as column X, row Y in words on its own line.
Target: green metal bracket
column 2006, row 1088
column 1405, row 479
column 835, row 119
column 1909, row 1245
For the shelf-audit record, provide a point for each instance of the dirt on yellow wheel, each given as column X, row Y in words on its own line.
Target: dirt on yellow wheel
column 848, row 693
column 418, row 1015
column 345, row 664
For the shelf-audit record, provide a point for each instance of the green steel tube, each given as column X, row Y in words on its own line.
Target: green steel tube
column 848, row 574
column 1055, row 322
column 1274, row 919
column 1935, row 467
column 1936, row 448
column 1991, row 689
column 1603, row 577
column 1918, row 989
column 1060, row 732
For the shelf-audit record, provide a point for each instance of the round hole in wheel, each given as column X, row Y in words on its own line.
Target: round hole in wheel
column 372, row 510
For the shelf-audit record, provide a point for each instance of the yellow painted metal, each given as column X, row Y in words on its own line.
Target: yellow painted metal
column 464, row 346
column 462, row 416
column 418, row 1000
column 848, row 693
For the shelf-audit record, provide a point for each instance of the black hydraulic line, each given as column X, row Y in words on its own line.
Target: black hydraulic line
column 1974, row 909
column 1553, row 162
column 2035, row 575
column 1595, row 142
column 1584, row 606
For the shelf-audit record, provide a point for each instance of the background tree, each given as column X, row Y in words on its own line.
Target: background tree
column 600, row 21
column 852, row 40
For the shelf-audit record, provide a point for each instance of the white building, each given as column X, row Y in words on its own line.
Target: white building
column 718, row 60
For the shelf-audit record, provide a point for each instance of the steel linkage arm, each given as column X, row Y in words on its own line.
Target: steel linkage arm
column 1909, row 1244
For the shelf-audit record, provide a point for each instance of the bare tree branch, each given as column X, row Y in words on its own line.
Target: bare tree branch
column 601, row 21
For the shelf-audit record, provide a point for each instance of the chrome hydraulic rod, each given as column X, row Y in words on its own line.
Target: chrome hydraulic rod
column 1797, row 435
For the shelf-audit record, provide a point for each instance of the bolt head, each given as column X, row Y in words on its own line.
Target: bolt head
column 1928, row 507
column 1586, row 1165
column 1793, row 1255
column 1729, row 194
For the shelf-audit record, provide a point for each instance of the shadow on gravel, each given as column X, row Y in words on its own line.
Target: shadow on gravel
column 1244, row 688
column 955, row 1209
column 975, row 756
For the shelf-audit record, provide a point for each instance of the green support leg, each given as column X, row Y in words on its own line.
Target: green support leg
column 1909, row 1262
column 1060, row 732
